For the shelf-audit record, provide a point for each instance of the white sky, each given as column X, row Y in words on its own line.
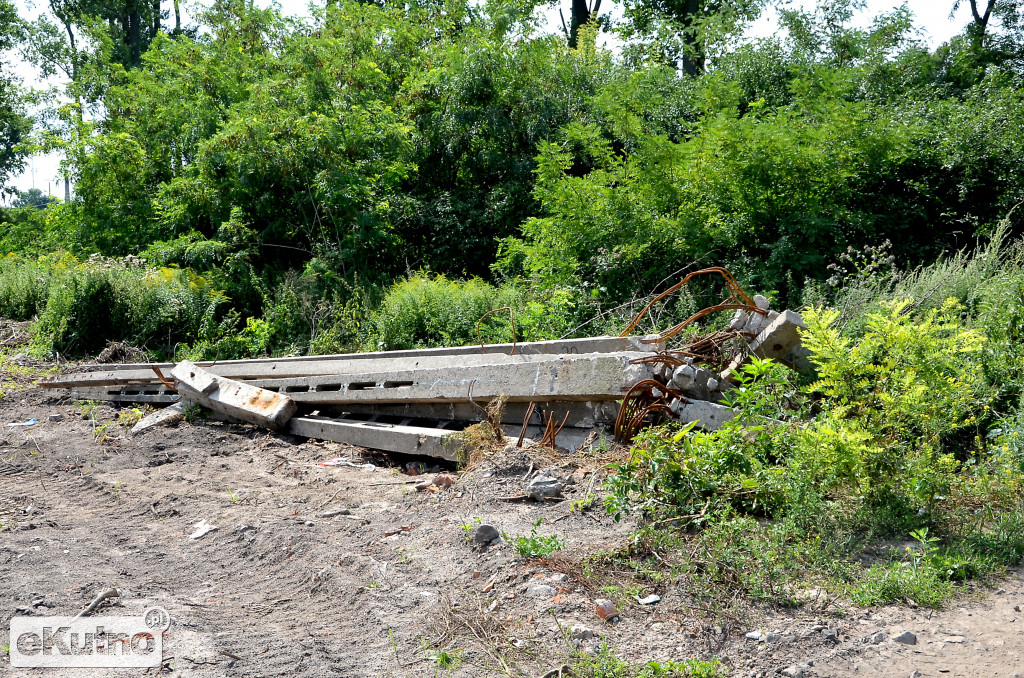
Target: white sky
column 931, row 16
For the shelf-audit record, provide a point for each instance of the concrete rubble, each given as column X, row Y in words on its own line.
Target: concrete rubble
column 418, row 402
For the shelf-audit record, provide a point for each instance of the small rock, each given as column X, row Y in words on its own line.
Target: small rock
column 878, row 637
column 915, row 674
column 754, row 635
column 953, row 639
column 559, row 577
column 771, row 637
column 543, row 487
column 485, row 534
column 541, row 591
column 830, row 634
column 310, row 523
column 605, row 609
column 56, row 417
column 581, row 633
column 906, row 638
column 335, row 512
column 493, row 606
column 793, row 672
column 38, row 602
column 444, row 481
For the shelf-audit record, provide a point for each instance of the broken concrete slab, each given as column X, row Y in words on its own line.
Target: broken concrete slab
column 431, row 442
column 581, row 414
column 591, row 377
column 234, row 399
column 709, row 416
column 168, row 415
column 697, row 382
column 278, row 368
column 778, row 339
column 153, row 394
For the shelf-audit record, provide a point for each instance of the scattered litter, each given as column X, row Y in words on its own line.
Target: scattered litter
column 605, row 609
column 26, row 424
column 649, row 600
column 335, row 512
column 203, row 528
column 341, row 461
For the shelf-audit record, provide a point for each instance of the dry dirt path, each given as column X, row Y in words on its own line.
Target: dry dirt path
column 284, row 588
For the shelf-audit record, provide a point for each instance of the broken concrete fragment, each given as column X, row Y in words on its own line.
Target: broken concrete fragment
column 778, row 339
column 168, row 415
column 709, row 416
column 233, row 398
column 696, row 382
column 543, row 487
column 389, row 437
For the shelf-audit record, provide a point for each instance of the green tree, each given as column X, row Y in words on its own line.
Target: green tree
column 14, row 123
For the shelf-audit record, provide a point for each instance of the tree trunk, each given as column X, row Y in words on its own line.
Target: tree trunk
column 177, row 18
column 156, row 17
column 693, row 50
column 581, row 14
column 134, row 36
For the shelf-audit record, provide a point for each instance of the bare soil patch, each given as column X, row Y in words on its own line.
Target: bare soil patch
column 346, row 571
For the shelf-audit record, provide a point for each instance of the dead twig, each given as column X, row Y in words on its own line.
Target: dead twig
column 91, row 607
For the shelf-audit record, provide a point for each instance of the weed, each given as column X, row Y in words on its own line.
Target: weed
column 101, row 432
column 193, row 413
column 233, row 496
column 88, row 408
column 448, row 659
column 534, row 545
column 604, row 664
column 130, row 417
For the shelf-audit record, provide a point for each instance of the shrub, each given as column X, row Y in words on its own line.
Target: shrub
column 426, row 311
column 90, row 303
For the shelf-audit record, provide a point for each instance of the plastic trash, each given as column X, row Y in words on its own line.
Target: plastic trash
column 30, row 422
column 340, row 461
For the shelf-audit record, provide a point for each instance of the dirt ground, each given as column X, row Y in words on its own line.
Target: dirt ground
column 346, row 571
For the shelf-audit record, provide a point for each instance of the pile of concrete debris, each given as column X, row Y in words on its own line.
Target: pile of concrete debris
column 413, row 401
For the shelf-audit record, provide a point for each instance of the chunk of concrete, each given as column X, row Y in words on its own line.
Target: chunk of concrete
column 778, row 339
column 231, row 398
column 709, row 416
column 168, row 415
column 416, row 440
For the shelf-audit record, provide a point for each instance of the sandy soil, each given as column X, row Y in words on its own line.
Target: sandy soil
column 287, row 585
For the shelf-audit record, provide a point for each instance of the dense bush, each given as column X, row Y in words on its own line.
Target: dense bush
column 81, row 305
column 912, row 428
column 435, row 311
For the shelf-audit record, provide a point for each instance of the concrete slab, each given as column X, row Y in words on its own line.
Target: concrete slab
column 709, row 416
column 168, row 415
column 431, row 442
column 581, row 414
column 590, row 377
column 234, row 399
column 777, row 340
column 142, row 373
